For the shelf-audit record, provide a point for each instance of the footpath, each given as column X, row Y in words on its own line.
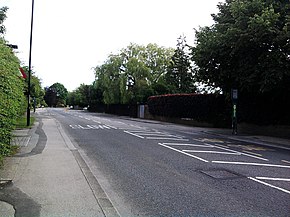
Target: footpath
column 49, row 178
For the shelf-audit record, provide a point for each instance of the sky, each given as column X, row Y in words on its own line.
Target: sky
column 71, row 37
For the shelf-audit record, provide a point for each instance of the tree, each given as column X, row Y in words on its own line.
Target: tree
column 247, row 48
column 3, row 11
column 36, row 91
column 56, row 95
column 128, row 77
column 179, row 74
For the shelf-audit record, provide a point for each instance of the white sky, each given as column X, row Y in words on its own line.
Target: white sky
column 70, row 36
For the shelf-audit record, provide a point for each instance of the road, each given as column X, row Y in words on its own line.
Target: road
column 160, row 169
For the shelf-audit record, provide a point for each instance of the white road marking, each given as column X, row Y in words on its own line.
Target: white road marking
column 184, row 144
column 84, row 128
column 151, row 134
column 211, row 152
column 133, row 134
column 190, row 155
column 111, row 126
column 272, row 186
column 274, row 179
column 251, row 164
column 285, row 161
column 166, row 138
column 90, row 127
column 249, row 155
column 97, row 121
column 249, row 152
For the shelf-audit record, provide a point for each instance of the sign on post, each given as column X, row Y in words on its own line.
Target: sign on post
column 234, row 114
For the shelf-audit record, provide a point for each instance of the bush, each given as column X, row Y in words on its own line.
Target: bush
column 208, row 108
column 12, row 100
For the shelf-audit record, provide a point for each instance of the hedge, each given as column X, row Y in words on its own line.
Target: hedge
column 12, row 100
column 210, row 108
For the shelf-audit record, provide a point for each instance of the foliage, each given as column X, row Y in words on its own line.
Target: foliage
column 3, row 11
column 209, row 108
column 133, row 74
column 56, row 95
column 179, row 74
column 36, row 91
column 247, row 48
column 12, row 100
column 84, row 95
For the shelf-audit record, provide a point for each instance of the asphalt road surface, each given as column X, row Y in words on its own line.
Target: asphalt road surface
column 160, row 169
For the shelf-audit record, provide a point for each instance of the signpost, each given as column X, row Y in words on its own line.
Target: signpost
column 234, row 114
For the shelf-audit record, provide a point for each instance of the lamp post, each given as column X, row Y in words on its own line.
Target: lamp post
column 29, row 66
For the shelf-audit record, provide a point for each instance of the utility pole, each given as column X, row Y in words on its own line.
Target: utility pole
column 29, row 67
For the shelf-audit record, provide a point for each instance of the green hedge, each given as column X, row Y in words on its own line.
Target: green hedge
column 12, row 100
column 208, row 108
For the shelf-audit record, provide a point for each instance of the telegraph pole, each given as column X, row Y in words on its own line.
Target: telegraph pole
column 29, row 66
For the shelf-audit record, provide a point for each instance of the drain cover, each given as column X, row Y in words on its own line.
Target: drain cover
column 5, row 182
column 221, row 174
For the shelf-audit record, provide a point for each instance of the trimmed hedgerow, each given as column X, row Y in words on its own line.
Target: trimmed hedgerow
column 12, row 99
column 210, row 108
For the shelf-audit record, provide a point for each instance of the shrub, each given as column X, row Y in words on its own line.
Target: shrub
column 12, row 100
column 209, row 108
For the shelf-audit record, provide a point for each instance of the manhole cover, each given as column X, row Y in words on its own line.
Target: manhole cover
column 5, row 182
column 221, row 174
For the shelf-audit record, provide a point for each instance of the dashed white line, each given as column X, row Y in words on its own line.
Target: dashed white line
column 269, row 185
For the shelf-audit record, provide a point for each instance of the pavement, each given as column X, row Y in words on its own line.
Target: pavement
column 48, row 177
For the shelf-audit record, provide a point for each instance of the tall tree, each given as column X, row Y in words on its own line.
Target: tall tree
column 36, row 91
column 248, row 47
column 130, row 75
column 56, row 95
column 179, row 74
column 3, row 11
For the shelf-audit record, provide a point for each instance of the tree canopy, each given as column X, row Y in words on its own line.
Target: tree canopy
column 56, row 95
column 133, row 74
column 3, row 11
column 248, row 47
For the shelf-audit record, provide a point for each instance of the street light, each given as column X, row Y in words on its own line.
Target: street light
column 29, row 66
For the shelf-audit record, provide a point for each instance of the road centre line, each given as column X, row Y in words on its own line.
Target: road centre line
column 250, row 164
column 273, row 179
column 190, row 155
column 249, row 155
column 133, row 134
column 269, row 185
column 211, row 152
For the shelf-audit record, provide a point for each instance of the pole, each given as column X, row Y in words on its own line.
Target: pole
column 29, row 66
column 234, row 93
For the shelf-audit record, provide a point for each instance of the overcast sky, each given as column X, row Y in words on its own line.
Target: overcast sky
column 70, row 37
